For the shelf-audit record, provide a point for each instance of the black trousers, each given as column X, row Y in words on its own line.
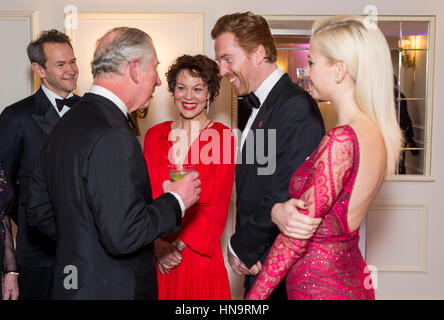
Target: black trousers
column 280, row 293
column 35, row 282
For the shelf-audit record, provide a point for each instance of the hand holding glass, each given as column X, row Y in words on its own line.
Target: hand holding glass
column 177, row 172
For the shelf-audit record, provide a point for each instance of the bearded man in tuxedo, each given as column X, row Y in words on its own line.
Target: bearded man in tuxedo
column 284, row 122
column 91, row 191
column 24, row 127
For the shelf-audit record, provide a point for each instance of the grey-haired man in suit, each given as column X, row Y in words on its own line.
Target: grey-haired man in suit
column 97, row 203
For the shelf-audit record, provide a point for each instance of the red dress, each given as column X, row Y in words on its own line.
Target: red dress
column 202, row 273
column 330, row 264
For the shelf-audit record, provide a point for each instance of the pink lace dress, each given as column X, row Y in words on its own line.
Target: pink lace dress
column 330, row 264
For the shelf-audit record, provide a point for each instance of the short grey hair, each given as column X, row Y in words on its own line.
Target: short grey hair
column 129, row 44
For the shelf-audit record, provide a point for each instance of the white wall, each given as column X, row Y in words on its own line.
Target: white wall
column 395, row 284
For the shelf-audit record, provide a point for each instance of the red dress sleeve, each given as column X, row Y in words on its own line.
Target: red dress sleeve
column 318, row 182
column 155, row 150
column 203, row 232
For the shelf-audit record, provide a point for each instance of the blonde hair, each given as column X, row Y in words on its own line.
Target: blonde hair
column 362, row 46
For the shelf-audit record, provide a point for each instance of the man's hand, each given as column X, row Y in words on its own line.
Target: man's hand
column 167, row 256
column 293, row 223
column 235, row 263
column 10, row 287
column 240, row 268
column 254, row 270
column 179, row 244
column 187, row 188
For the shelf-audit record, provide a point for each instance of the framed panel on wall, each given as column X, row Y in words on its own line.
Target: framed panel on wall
column 19, row 82
column 168, row 42
column 394, row 249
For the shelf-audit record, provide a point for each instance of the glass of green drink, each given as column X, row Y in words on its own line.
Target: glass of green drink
column 177, row 171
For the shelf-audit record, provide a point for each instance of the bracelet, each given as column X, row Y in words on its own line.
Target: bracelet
column 13, row 273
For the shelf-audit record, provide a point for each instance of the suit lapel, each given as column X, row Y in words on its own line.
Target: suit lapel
column 46, row 116
column 108, row 107
column 260, row 122
column 272, row 100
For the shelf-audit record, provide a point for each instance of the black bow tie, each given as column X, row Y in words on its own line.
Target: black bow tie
column 66, row 102
column 251, row 101
column 130, row 121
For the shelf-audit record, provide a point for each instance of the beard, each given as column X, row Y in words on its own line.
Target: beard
column 240, row 85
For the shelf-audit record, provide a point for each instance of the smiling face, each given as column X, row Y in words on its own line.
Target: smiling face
column 144, row 78
column 149, row 81
column 321, row 72
column 235, row 63
column 190, row 95
column 60, row 72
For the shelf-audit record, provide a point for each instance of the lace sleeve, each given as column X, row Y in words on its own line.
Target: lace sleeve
column 331, row 166
column 9, row 264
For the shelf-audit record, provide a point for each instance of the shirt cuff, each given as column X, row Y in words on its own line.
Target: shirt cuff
column 179, row 199
column 232, row 251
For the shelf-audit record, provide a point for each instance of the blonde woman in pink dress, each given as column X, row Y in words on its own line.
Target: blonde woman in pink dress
column 349, row 65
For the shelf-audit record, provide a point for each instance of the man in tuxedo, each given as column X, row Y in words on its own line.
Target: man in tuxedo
column 23, row 128
column 288, row 119
column 91, row 191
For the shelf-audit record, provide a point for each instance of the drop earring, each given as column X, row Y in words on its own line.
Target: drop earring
column 208, row 105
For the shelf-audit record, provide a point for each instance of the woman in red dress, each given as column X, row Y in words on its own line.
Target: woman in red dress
column 190, row 262
column 349, row 65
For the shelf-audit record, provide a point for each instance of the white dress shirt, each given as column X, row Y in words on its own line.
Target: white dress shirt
column 262, row 94
column 52, row 98
column 101, row 91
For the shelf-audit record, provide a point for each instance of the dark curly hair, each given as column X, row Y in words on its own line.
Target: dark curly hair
column 199, row 66
column 35, row 48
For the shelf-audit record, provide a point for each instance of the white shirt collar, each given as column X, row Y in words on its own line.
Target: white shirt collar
column 268, row 84
column 101, row 91
column 262, row 93
column 52, row 98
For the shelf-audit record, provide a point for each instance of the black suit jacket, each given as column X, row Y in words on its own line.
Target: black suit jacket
column 298, row 126
column 24, row 127
column 92, row 194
